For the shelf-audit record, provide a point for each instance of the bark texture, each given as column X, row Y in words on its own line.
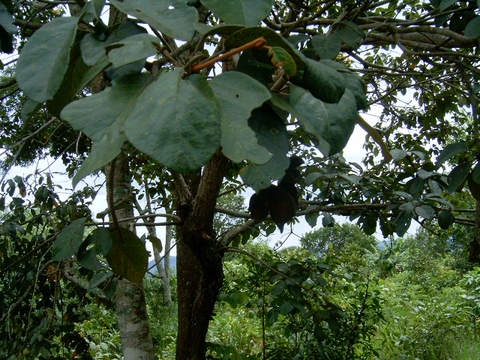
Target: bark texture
column 129, row 299
column 199, row 264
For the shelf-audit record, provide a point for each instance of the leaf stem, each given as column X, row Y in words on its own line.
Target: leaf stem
column 257, row 43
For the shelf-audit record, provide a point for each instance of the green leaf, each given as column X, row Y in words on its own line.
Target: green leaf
column 7, row 30
column 72, row 84
column 99, row 278
column 100, row 237
column 69, row 240
column 93, row 46
column 473, row 28
column 174, row 18
column 132, row 49
column 282, row 60
column 458, row 177
column 350, row 33
column 445, row 219
column 425, row 211
column 273, row 38
column 244, row 12
column 260, row 71
column 450, row 151
column 328, row 220
column 446, row 4
column 176, row 122
column 398, row 154
column 476, row 173
column 327, row 47
column 324, row 83
column 331, row 124
column 237, row 95
column 272, row 135
column 128, row 256
column 104, row 120
column 44, row 59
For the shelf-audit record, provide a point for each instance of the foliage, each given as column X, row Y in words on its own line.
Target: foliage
column 294, row 77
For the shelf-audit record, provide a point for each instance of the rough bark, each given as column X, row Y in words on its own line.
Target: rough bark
column 129, row 298
column 199, row 264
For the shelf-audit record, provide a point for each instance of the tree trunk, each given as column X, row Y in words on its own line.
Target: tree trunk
column 167, row 291
column 129, row 298
column 199, row 264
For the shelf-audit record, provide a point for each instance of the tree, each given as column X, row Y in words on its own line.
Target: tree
column 284, row 88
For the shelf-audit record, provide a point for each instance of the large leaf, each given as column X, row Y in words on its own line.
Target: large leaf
column 69, row 240
column 7, row 30
column 244, row 12
column 260, row 71
column 128, row 256
column 44, row 59
column 132, row 49
column 331, row 124
column 93, row 46
column 101, row 117
column 174, row 18
column 237, row 96
column 327, row 47
column 450, row 151
column 176, row 122
column 72, row 83
column 458, row 176
column 322, row 81
column 272, row 134
column 273, row 38
column 350, row 33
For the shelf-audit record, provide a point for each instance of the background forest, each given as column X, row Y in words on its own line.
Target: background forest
column 215, row 131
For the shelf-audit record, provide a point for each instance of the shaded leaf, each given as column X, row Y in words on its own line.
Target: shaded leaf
column 260, row 71
column 473, row 28
column 69, row 240
column 237, row 95
column 350, row 33
column 425, row 211
column 44, row 59
column 272, row 134
column 327, row 47
column 324, row 84
column 450, row 151
column 445, row 219
column 474, row 187
column 100, row 237
column 128, row 256
column 132, row 49
column 458, row 177
column 273, row 38
column 331, row 124
column 244, row 12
